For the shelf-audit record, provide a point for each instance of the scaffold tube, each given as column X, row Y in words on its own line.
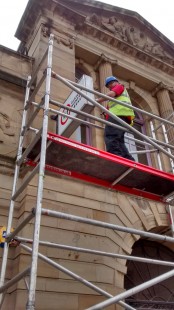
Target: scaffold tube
column 133, row 291
column 106, row 225
column 96, row 252
column 76, row 277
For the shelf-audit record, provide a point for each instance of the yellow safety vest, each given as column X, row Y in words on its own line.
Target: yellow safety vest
column 119, row 109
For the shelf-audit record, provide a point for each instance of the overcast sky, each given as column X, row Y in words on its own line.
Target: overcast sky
column 159, row 13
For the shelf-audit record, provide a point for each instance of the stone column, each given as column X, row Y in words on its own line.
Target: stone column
column 165, row 109
column 104, row 67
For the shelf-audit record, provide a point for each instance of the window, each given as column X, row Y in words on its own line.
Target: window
column 83, row 133
column 139, row 151
column 78, row 73
column 159, row 296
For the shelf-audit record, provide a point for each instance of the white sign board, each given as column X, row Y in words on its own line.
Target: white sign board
column 66, row 126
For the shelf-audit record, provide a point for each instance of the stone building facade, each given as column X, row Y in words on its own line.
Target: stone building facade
column 98, row 40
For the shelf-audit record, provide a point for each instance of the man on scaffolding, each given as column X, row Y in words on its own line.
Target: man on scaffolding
column 114, row 137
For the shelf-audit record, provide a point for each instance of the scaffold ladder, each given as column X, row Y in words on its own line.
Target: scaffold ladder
column 40, row 169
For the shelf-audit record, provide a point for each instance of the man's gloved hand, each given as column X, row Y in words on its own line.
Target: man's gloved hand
column 53, row 117
column 103, row 114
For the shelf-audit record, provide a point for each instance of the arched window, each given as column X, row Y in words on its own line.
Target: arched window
column 159, row 296
column 79, row 73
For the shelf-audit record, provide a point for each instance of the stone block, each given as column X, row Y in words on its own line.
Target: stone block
column 91, row 272
column 86, row 301
column 126, row 206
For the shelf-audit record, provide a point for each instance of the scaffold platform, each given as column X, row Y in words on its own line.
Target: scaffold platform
column 73, row 159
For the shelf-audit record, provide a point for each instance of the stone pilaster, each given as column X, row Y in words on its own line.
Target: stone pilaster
column 104, row 67
column 165, row 109
column 165, row 104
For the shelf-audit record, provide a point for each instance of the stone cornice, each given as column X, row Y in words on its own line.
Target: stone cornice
column 36, row 10
column 29, row 19
column 70, row 10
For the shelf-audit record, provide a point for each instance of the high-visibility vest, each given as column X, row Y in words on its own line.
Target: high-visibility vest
column 119, row 109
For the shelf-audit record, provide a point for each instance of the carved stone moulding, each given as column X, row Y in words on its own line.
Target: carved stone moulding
column 162, row 86
column 114, row 33
column 65, row 41
column 131, row 34
column 104, row 59
column 60, row 39
column 111, row 30
column 126, row 47
column 5, row 126
column 6, row 165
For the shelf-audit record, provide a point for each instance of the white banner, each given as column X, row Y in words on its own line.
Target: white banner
column 66, row 126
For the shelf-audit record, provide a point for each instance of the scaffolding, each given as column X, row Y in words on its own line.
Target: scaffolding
column 36, row 156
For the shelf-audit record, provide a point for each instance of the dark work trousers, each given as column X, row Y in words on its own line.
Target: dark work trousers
column 114, row 139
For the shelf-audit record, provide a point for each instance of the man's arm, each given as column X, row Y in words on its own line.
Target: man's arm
column 110, row 94
column 115, row 92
